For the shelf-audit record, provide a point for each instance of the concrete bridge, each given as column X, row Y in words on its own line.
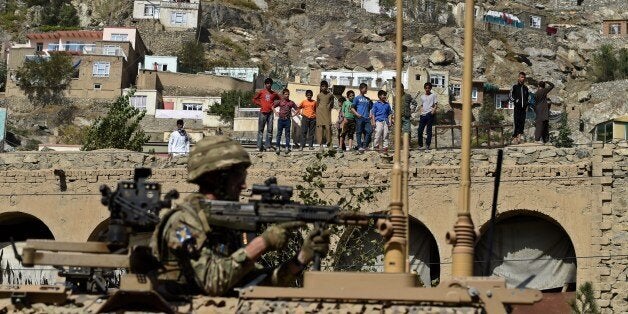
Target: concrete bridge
column 561, row 210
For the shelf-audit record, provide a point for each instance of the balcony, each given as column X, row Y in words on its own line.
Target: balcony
column 88, row 49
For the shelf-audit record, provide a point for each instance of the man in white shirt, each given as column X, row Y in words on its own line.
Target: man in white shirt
column 179, row 143
column 428, row 109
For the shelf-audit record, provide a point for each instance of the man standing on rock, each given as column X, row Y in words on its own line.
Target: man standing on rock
column 542, row 110
column 519, row 99
column 324, row 104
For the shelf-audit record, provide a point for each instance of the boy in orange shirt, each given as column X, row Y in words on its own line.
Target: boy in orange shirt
column 307, row 109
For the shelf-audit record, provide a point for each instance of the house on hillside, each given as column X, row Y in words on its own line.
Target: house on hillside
column 160, row 63
column 105, row 61
column 168, row 95
column 172, row 14
column 607, row 131
column 417, row 77
column 374, row 79
column 455, row 95
column 615, row 28
column 245, row 74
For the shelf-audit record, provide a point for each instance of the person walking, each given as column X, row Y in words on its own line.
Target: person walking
column 542, row 110
column 519, row 94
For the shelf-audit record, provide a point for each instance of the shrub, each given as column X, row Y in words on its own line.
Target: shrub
column 119, row 129
column 610, row 65
column 44, row 80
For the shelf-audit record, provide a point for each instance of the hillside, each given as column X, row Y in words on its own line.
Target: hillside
column 291, row 37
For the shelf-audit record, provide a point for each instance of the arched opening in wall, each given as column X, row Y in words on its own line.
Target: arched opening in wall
column 100, row 232
column 362, row 249
column 20, row 227
column 529, row 250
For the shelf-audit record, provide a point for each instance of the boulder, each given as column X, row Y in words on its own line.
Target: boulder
column 431, row 41
column 496, row 44
column 584, row 96
column 442, row 57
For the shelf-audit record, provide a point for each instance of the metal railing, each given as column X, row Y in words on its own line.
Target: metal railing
column 482, row 136
column 88, row 49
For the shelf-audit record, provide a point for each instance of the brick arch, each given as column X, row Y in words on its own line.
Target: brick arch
column 526, row 219
column 21, row 226
column 421, row 231
column 100, row 231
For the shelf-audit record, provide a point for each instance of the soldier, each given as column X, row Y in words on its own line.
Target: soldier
column 199, row 258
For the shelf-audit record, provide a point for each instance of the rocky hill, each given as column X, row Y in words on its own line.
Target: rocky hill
column 290, row 37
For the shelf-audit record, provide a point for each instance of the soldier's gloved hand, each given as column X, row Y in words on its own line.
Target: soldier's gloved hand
column 275, row 236
column 315, row 242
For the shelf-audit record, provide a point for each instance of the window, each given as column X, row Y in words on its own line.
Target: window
column 74, row 46
column 535, row 21
column 604, row 132
column 456, row 90
column 417, row 77
column 119, row 37
column 437, row 80
column 614, row 29
column 97, row 86
column 139, row 102
column 39, row 47
column 53, row 47
column 501, row 102
column 149, row 10
column 101, row 69
column 110, row 50
column 192, row 106
column 474, row 93
column 178, row 18
column 164, row 67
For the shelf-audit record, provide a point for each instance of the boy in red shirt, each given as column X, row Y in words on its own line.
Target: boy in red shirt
column 265, row 99
column 285, row 118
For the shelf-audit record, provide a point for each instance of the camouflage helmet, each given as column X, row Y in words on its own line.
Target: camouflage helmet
column 215, row 153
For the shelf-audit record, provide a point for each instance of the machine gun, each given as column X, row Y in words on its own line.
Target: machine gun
column 276, row 206
column 134, row 210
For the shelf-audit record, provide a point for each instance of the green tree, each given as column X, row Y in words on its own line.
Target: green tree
column 192, row 57
column 228, row 102
column 605, row 64
column 622, row 64
column 120, row 128
column 488, row 115
column 68, row 16
column 314, row 191
column 584, row 302
column 564, row 132
column 44, row 79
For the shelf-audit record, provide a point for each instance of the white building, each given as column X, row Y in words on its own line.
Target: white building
column 173, row 14
column 245, row 74
column 177, row 107
column 159, row 63
column 375, row 80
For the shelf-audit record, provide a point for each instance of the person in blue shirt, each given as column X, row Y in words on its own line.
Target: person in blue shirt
column 381, row 118
column 362, row 106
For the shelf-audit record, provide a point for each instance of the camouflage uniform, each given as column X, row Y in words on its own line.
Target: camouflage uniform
column 188, row 247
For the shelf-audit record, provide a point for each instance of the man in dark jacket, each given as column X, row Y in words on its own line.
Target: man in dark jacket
column 519, row 98
column 542, row 109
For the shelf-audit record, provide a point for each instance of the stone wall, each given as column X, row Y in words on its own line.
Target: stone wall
column 581, row 189
column 161, row 42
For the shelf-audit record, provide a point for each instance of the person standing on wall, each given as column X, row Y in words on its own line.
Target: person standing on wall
column 519, row 101
column 265, row 100
column 179, row 142
column 324, row 104
column 542, row 110
column 362, row 108
column 429, row 102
